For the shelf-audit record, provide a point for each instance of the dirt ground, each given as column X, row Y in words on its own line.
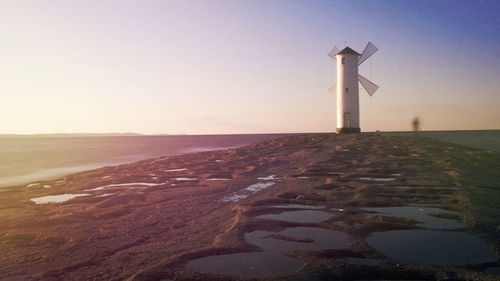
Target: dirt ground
column 151, row 232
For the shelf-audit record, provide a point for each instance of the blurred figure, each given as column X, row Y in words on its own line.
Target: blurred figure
column 415, row 124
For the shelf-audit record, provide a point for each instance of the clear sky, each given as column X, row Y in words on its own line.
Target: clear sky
column 233, row 66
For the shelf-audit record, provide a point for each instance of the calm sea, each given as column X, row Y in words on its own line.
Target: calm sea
column 481, row 139
column 24, row 159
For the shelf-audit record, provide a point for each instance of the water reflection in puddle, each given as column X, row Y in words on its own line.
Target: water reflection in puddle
column 297, row 206
column 271, row 261
column 105, row 194
column 377, row 179
column 427, row 187
column 176, row 170
column 186, row 179
column 247, row 191
column 246, row 264
column 431, row 247
column 305, row 216
column 422, row 215
column 298, row 238
column 56, row 198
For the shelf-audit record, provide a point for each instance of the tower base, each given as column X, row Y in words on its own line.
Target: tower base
column 348, row 130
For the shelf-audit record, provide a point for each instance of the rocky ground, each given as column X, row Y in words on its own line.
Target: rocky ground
column 196, row 205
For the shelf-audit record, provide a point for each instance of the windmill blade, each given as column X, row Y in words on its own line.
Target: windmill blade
column 333, row 52
column 333, row 89
column 369, row 86
column 369, row 50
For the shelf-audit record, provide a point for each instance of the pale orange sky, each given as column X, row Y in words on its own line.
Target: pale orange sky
column 208, row 67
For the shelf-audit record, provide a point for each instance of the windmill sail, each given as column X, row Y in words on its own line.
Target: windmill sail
column 369, row 86
column 369, row 50
column 333, row 52
column 333, row 89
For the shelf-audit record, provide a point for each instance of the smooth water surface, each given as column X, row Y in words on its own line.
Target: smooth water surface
column 421, row 214
column 246, row 264
column 481, row 139
column 297, row 206
column 428, row 187
column 304, row 216
column 29, row 158
column 302, row 238
column 247, row 191
column 272, row 260
column 377, row 179
column 431, row 247
column 56, row 198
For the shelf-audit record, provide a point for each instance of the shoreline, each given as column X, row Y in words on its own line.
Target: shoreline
column 39, row 174
column 158, row 228
column 59, row 157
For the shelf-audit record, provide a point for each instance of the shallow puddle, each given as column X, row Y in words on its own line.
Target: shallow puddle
column 246, row 264
column 247, row 191
column 422, row 215
column 427, row 187
column 105, row 194
column 176, row 170
column 297, row 206
column 304, row 216
column 377, row 179
column 431, row 247
column 424, row 205
column 272, row 261
column 298, row 238
column 56, row 198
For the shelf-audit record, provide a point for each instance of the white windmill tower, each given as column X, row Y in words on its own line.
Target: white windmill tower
column 348, row 61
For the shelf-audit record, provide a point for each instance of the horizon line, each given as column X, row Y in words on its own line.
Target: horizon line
column 214, row 134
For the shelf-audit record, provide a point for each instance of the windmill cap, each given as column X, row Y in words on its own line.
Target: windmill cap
column 348, row 50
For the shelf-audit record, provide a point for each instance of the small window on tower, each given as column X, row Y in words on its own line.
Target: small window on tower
column 347, row 89
column 343, row 60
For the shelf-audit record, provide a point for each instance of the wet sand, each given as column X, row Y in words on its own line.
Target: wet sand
column 147, row 220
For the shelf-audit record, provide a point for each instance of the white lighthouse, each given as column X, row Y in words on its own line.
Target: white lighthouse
column 347, row 88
